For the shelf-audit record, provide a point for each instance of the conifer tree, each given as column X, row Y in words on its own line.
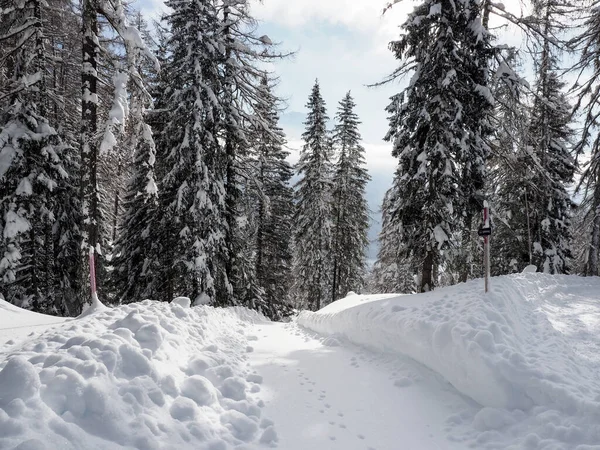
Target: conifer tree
column 547, row 162
column 134, row 261
column 313, row 209
column 350, row 209
column 31, row 160
column 507, row 188
column 440, row 128
column 245, row 53
column 587, row 42
column 192, row 223
column 274, row 209
column 552, row 170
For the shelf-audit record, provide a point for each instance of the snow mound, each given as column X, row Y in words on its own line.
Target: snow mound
column 148, row 375
column 500, row 349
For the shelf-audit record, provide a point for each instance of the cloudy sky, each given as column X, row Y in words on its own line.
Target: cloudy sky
column 343, row 43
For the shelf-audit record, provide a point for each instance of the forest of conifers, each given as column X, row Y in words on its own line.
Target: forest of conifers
column 152, row 151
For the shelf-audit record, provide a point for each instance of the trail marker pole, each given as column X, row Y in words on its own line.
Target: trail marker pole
column 485, row 231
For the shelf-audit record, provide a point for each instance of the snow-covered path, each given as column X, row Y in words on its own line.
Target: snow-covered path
column 15, row 326
column 327, row 394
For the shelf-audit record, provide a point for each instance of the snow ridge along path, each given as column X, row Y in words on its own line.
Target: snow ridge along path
column 528, row 352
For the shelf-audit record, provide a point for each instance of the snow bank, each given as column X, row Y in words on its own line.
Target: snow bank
column 16, row 323
column 500, row 349
column 147, row 375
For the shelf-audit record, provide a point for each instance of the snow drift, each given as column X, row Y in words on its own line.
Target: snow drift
column 502, row 349
column 147, row 375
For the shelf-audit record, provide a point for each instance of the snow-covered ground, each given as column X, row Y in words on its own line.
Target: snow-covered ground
column 518, row 368
column 16, row 324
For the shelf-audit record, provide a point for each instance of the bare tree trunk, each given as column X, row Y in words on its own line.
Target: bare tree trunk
column 231, row 188
column 89, row 128
column 427, row 272
column 463, row 276
column 592, row 263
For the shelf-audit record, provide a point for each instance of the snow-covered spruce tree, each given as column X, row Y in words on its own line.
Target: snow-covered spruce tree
column 350, row 209
column 508, row 188
column 550, row 165
column 552, row 170
column 31, row 166
column 63, row 26
column 392, row 272
column 312, row 221
column 588, row 104
column 245, row 53
column 134, row 258
column 192, row 224
column 440, row 129
column 274, row 209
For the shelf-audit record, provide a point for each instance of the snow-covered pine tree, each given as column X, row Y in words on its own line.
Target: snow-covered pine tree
column 245, row 53
column 134, row 258
column 391, row 272
column 312, row 221
column 553, row 169
column 237, row 266
column 551, row 166
column 587, row 42
column 64, row 76
column 508, row 172
column 440, row 128
column 31, row 159
column 192, row 225
column 273, row 197
column 350, row 209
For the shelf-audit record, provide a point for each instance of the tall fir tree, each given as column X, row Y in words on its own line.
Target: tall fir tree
column 274, row 200
column 134, row 258
column 312, row 270
column 192, row 226
column 350, row 209
column 551, row 166
column 245, row 53
column 552, row 171
column 31, row 159
column 391, row 271
column 439, row 130
column 587, row 43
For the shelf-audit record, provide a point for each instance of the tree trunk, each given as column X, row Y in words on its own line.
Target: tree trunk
column 231, row 189
column 464, row 257
column 427, row 272
column 89, row 128
column 592, row 263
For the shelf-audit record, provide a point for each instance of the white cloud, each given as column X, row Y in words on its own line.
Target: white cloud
column 362, row 16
